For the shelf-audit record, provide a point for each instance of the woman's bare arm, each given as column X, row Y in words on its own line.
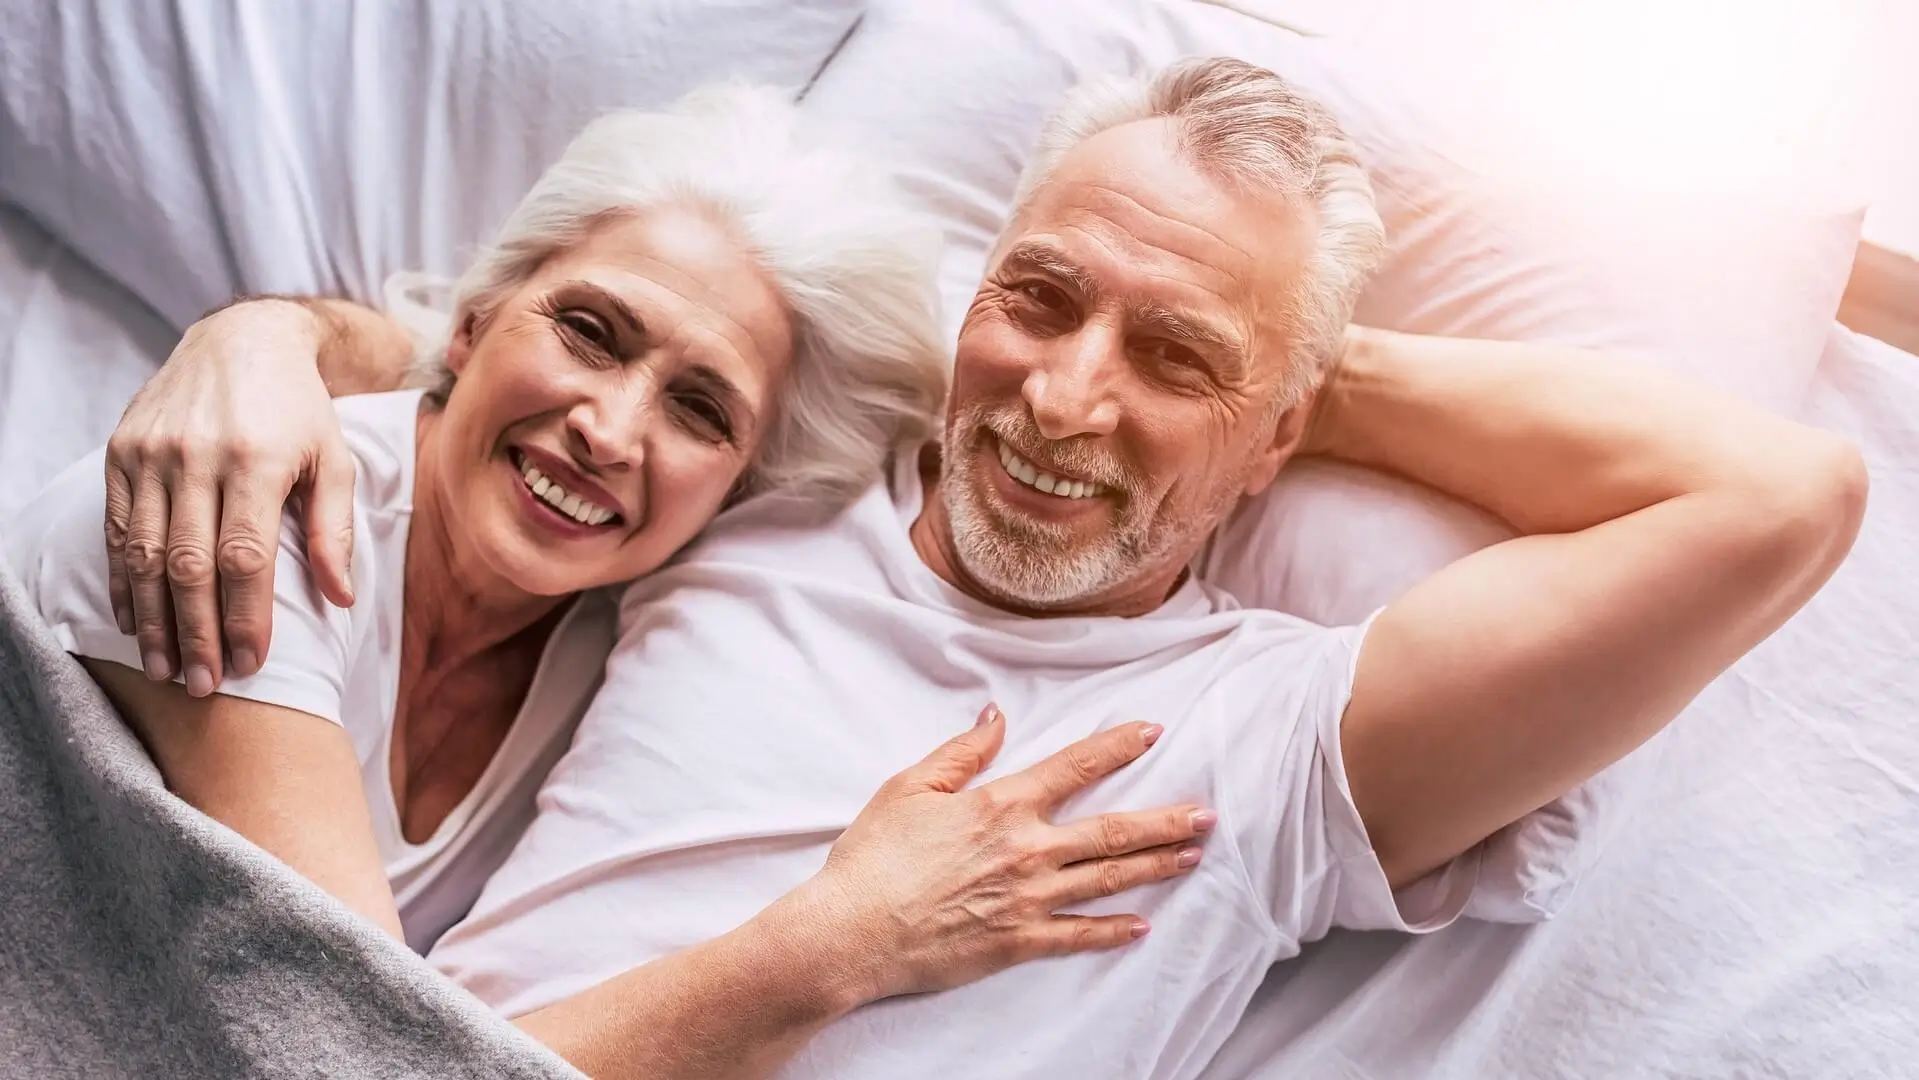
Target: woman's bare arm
column 933, row 886
column 286, row 780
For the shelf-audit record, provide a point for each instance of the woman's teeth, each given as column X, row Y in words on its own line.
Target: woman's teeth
column 1023, row 470
column 560, row 499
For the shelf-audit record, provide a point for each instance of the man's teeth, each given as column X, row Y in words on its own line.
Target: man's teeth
column 564, row 501
column 1023, row 470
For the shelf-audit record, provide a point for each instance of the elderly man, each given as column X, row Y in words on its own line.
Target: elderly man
column 1161, row 326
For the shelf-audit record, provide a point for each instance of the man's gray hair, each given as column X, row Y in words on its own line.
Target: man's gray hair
column 1249, row 126
column 852, row 264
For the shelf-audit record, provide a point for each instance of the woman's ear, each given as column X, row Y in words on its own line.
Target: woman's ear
column 461, row 346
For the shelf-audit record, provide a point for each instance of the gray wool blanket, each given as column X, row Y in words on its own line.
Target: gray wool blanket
column 140, row 939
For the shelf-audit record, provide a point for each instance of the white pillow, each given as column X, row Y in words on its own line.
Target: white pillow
column 1737, row 288
column 197, row 150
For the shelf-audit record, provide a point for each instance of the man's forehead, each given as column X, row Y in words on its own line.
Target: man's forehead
column 1129, row 208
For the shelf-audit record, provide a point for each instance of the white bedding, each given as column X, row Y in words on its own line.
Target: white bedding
column 1754, row 915
column 74, row 346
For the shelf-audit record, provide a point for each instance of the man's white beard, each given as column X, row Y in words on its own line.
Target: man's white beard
column 1022, row 559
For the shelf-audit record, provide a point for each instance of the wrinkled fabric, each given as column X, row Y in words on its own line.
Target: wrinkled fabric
column 140, row 939
column 1752, row 915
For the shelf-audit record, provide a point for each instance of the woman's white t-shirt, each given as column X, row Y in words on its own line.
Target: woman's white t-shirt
column 343, row 665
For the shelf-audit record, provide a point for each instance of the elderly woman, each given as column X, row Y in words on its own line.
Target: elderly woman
column 689, row 308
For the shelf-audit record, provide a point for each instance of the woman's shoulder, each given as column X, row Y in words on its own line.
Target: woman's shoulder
column 381, row 432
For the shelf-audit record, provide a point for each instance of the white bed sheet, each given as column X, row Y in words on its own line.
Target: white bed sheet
column 1756, row 914
column 74, row 346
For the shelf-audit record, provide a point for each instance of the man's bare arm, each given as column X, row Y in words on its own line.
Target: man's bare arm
column 205, row 460
column 360, row 350
column 1667, row 530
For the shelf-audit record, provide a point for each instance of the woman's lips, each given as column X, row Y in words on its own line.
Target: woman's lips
column 550, row 517
column 558, row 470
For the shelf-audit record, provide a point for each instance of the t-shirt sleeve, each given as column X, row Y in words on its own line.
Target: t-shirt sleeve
column 1296, row 826
column 55, row 545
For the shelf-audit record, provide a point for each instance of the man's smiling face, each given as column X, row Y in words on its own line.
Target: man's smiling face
column 1117, row 383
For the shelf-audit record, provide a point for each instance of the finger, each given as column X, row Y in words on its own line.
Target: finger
column 193, row 522
column 959, row 759
column 1106, row 877
column 146, row 561
column 1118, row 834
column 119, row 511
column 1063, row 935
column 250, row 513
column 1062, row 775
column 329, row 523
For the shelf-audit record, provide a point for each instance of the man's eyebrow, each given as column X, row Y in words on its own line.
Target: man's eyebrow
column 620, row 308
column 1223, row 343
column 1034, row 256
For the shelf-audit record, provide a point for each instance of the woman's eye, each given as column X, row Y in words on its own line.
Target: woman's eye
column 706, row 416
column 587, row 326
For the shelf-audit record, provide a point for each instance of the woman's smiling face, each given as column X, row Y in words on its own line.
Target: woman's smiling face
column 608, row 405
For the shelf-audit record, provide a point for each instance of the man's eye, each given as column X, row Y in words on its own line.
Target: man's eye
column 1173, row 357
column 1044, row 294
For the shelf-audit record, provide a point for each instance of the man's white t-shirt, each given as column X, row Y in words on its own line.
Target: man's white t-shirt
column 767, row 684
column 343, row 665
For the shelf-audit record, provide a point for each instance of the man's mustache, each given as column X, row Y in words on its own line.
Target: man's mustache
column 1078, row 456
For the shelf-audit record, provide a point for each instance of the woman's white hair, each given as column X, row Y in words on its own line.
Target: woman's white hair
column 1249, row 126
column 852, row 264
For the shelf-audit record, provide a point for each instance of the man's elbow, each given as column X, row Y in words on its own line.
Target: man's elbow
column 1816, row 508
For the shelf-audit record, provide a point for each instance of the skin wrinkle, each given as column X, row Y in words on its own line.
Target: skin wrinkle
column 1140, row 231
column 484, row 582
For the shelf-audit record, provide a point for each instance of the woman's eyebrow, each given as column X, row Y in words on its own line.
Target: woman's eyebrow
column 620, row 308
column 732, row 398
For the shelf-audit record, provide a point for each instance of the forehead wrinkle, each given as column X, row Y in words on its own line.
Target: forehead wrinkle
column 670, row 287
column 1128, row 203
column 688, row 314
column 1173, row 315
column 1260, row 314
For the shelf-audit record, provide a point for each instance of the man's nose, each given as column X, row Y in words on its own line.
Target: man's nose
column 1070, row 392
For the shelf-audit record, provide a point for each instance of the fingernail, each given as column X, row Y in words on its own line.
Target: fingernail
column 156, row 664
column 125, row 619
column 1140, row 929
column 245, row 662
column 1204, row 820
column 199, row 680
column 1187, row 858
column 1151, row 733
column 991, row 714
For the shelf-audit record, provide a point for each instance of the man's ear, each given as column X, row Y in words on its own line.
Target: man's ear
column 460, row 347
column 1287, row 435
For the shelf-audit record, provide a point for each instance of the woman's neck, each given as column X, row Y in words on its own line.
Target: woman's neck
column 456, row 607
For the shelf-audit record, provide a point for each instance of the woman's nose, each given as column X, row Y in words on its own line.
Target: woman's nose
column 608, row 431
column 1070, row 391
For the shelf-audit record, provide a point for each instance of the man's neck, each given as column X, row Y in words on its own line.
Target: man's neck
column 932, row 536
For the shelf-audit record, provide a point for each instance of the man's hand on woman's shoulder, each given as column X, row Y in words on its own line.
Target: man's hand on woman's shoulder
column 205, row 459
